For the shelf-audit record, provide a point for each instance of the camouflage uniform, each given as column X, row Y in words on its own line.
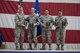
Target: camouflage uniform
column 48, row 22
column 19, row 32
column 32, row 29
column 60, row 23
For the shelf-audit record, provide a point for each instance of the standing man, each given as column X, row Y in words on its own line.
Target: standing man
column 20, row 26
column 60, row 24
column 47, row 22
column 32, row 20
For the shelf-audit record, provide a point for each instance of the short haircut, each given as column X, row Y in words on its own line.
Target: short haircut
column 46, row 9
column 60, row 10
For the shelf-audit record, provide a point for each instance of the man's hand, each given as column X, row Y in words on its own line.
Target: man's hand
column 23, row 26
column 35, row 25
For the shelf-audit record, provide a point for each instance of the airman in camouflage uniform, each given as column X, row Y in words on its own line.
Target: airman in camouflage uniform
column 32, row 20
column 47, row 22
column 60, row 23
column 19, row 31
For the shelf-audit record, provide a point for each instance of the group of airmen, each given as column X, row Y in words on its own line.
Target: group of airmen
column 32, row 21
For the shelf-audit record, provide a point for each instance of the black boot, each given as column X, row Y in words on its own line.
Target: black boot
column 35, row 47
column 49, row 46
column 21, row 47
column 58, row 48
column 30, row 47
column 62, row 47
column 16, row 48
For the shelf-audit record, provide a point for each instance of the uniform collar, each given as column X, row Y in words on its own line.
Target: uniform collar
column 46, row 15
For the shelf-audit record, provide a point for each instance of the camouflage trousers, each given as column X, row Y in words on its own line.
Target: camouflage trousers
column 19, row 37
column 60, row 36
column 32, row 33
column 46, row 35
